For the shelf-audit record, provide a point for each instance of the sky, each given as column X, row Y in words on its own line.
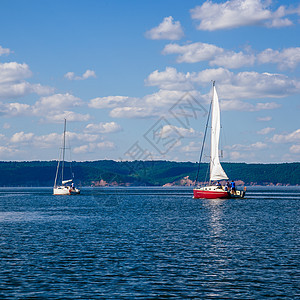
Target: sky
column 134, row 79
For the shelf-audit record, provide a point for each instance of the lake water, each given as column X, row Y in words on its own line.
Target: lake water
column 149, row 243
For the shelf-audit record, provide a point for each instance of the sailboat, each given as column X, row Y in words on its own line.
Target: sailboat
column 217, row 173
column 67, row 186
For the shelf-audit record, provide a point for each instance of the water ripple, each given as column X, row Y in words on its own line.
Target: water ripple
column 149, row 243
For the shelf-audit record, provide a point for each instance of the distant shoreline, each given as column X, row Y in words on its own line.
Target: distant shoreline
column 145, row 173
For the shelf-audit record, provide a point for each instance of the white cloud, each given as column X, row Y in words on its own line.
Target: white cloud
column 47, row 141
column 266, row 130
column 233, row 60
column 232, row 88
column 4, row 51
column 247, row 85
column 170, row 79
column 193, row 52
column 246, row 106
column 191, row 147
column 13, row 84
column 21, row 137
column 237, row 13
column 216, row 56
column 12, row 71
column 71, row 116
column 174, row 131
column 56, row 102
column 92, row 147
column 8, row 151
column 287, row 138
column 19, row 89
column 131, row 112
column 251, row 147
column 167, row 30
column 107, row 102
column 14, row 109
column 109, row 127
column 287, row 58
column 81, row 149
column 295, row 149
column 87, row 74
column 236, row 155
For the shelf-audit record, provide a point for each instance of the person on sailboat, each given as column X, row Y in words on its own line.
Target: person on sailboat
column 232, row 187
column 227, row 186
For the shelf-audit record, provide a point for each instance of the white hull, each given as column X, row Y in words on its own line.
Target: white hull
column 65, row 190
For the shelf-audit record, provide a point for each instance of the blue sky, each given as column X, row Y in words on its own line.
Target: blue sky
column 133, row 78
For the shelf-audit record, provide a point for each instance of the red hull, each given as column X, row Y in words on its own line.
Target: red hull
column 211, row 194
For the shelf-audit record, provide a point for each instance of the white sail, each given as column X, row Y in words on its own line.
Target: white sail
column 216, row 170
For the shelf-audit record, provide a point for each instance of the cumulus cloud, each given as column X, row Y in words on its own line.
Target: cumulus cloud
column 14, row 109
column 287, row 138
column 92, row 147
column 71, row 116
column 167, row 30
column 288, row 58
column 174, row 131
column 233, row 60
column 194, row 52
column 242, row 85
column 57, row 102
column 233, row 88
column 8, row 151
column 21, row 137
column 246, row 106
column 48, row 140
column 191, row 147
column 12, row 71
column 237, row 13
column 87, row 74
column 251, row 147
column 170, row 79
column 295, row 149
column 57, row 107
column 107, row 102
column 13, row 84
column 132, row 112
column 109, row 127
column 266, row 130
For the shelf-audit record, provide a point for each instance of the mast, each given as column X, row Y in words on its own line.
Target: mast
column 63, row 150
column 211, row 131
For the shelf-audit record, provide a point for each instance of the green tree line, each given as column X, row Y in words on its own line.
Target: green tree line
column 148, row 173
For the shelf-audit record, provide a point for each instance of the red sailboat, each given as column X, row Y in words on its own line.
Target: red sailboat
column 216, row 171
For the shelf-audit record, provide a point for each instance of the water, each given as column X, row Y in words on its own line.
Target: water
column 149, row 243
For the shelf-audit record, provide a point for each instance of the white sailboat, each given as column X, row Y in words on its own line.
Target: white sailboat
column 67, row 186
column 216, row 171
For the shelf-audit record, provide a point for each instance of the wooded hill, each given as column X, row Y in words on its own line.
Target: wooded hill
column 148, row 173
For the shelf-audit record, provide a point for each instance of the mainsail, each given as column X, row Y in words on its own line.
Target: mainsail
column 216, row 170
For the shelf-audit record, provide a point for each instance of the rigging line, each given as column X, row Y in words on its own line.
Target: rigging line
column 203, row 142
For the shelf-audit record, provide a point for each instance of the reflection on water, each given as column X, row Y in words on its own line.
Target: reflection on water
column 215, row 208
